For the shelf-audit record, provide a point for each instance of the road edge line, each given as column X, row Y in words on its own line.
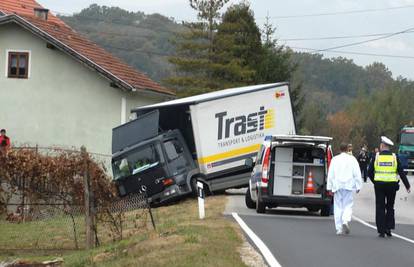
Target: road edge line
column 375, row 228
column 264, row 250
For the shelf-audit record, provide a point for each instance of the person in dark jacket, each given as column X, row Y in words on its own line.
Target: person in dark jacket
column 383, row 171
column 363, row 160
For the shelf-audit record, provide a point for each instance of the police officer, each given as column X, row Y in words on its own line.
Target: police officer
column 383, row 172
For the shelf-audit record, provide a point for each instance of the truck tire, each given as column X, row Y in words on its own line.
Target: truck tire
column 260, row 206
column 248, row 199
column 325, row 211
column 194, row 190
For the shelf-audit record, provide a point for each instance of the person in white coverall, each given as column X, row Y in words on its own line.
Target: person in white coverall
column 344, row 177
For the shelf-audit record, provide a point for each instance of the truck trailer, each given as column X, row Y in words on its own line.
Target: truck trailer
column 172, row 145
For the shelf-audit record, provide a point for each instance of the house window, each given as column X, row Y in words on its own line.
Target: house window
column 18, row 65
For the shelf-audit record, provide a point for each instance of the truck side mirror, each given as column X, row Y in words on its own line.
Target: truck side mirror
column 249, row 162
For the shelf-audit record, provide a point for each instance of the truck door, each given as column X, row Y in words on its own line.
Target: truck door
column 178, row 161
column 140, row 170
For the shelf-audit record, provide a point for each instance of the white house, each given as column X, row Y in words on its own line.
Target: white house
column 59, row 89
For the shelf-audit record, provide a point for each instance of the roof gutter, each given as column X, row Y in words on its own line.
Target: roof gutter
column 47, row 37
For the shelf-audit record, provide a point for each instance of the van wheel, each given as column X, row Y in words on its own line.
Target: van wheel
column 260, row 206
column 325, row 211
column 248, row 199
column 313, row 209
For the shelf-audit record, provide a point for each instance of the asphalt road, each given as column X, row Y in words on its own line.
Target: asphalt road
column 298, row 238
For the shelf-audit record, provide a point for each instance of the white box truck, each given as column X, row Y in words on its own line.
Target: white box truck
column 206, row 137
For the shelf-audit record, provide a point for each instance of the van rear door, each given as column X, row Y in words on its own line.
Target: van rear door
column 299, row 166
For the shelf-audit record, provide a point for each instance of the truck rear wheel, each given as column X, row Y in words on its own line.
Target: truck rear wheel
column 248, row 199
column 260, row 206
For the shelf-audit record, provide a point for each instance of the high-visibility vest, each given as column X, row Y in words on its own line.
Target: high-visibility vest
column 386, row 168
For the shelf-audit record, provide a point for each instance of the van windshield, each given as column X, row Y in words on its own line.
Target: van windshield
column 139, row 160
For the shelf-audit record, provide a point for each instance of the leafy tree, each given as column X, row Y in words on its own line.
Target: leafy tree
column 378, row 76
column 313, row 119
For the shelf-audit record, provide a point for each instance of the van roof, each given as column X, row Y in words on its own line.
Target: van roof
column 213, row 95
column 302, row 138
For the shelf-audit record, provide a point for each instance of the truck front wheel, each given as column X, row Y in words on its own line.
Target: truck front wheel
column 194, row 190
column 248, row 199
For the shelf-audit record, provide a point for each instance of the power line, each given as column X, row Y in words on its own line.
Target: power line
column 341, row 12
column 331, row 49
column 336, row 37
column 293, row 47
column 366, row 41
column 353, row 53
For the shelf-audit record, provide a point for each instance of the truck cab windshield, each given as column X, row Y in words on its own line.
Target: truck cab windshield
column 136, row 161
column 407, row 139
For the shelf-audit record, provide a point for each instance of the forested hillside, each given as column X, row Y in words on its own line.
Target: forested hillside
column 145, row 42
column 340, row 98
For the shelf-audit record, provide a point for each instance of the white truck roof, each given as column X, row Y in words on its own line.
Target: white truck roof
column 213, row 95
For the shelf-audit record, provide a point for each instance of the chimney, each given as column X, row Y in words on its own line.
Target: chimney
column 41, row 13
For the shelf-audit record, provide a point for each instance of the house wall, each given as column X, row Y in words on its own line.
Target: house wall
column 62, row 103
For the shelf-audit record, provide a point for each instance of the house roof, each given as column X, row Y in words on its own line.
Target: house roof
column 25, row 7
column 61, row 36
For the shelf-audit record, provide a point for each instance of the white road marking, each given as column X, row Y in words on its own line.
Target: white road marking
column 271, row 260
column 375, row 228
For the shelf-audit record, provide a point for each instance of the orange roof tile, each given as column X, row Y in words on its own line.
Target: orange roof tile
column 85, row 50
column 24, row 7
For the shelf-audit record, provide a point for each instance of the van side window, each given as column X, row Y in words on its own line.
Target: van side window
column 173, row 149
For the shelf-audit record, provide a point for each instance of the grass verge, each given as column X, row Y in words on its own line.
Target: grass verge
column 181, row 239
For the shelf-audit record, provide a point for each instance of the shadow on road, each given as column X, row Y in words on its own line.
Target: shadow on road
column 292, row 212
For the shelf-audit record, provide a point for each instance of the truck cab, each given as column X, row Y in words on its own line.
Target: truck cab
column 406, row 149
column 291, row 171
column 150, row 162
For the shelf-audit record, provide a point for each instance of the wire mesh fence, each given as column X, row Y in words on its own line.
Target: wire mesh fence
column 43, row 226
column 124, row 218
column 52, row 198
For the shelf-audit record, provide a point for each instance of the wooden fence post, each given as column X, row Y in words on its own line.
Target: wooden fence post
column 89, row 214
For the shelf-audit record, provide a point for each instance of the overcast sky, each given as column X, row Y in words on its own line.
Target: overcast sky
column 398, row 17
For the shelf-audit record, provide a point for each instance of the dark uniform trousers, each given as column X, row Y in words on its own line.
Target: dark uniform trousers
column 385, row 198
